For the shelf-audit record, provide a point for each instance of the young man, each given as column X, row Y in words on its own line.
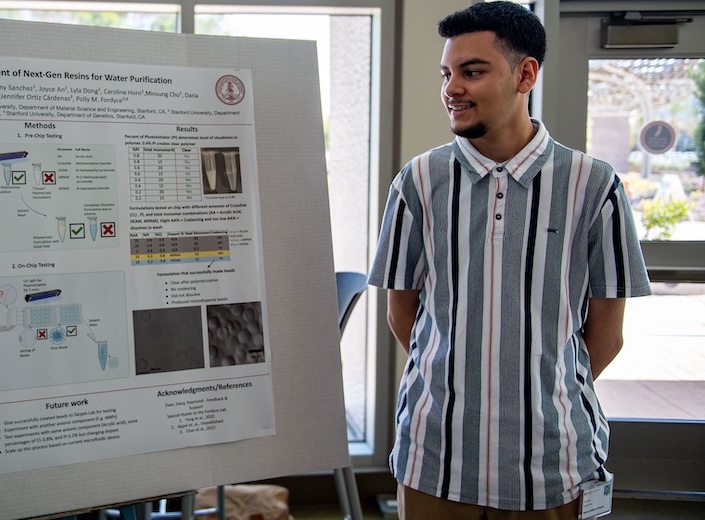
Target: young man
column 507, row 258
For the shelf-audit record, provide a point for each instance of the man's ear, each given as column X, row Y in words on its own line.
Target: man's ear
column 527, row 71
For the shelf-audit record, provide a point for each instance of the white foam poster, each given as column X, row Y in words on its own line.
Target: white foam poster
column 132, row 262
column 282, row 183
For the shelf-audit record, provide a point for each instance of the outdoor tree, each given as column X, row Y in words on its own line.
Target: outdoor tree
column 662, row 215
column 698, row 75
column 164, row 22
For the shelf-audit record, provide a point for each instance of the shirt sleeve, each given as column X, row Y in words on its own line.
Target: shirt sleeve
column 616, row 263
column 399, row 262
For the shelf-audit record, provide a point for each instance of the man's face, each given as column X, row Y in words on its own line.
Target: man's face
column 479, row 88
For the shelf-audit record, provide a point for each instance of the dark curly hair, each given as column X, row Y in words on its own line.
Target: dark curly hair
column 519, row 32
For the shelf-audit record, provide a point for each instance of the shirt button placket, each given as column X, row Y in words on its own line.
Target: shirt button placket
column 499, row 207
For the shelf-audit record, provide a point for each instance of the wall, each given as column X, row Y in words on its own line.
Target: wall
column 424, row 123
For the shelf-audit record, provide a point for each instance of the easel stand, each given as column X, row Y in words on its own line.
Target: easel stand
column 344, row 480
column 347, row 493
column 297, row 264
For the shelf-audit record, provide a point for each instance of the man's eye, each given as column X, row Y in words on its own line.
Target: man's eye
column 472, row 73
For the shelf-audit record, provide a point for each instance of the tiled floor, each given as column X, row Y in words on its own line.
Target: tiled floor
column 623, row 509
column 660, row 372
column 369, row 513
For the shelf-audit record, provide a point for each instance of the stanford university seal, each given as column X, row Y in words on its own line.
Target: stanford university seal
column 230, row 90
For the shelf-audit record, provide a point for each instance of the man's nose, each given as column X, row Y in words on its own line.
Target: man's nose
column 452, row 87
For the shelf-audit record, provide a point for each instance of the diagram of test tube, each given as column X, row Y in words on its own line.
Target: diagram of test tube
column 61, row 227
column 7, row 170
column 93, row 226
column 7, row 167
column 103, row 353
column 38, row 174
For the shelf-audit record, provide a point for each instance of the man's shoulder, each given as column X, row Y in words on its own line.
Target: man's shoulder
column 572, row 154
column 426, row 167
column 442, row 151
column 431, row 159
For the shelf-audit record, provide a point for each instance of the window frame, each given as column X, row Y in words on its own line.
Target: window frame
column 384, row 147
column 652, row 458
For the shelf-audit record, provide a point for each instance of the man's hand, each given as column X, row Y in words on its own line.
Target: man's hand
column 603, row 331
column 401, row 312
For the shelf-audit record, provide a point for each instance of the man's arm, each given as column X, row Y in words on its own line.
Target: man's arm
column 603, row 331
column 401, row 311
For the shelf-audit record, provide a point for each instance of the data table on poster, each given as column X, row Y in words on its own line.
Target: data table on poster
column 174, row 248
column 165, row 174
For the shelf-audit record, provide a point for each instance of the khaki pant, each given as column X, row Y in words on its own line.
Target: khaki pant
column 414, row 505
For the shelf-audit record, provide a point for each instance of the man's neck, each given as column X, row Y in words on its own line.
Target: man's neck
column 501, row 146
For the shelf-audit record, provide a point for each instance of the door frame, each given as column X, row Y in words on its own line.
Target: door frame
column 655, row 458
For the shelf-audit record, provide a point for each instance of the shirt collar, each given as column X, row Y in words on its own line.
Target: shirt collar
column 523, row 167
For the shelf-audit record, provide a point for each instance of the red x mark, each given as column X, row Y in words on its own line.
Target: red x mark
column 41, row 333
column 48, row 177
column 108, row 230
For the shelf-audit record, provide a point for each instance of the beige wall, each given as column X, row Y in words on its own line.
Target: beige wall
column 424, row 123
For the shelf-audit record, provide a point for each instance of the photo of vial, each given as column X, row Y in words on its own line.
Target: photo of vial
column 221, row 170
column 210, row 169
column 232, row 169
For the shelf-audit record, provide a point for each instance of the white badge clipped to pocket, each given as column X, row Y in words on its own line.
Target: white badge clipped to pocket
column 596, row 498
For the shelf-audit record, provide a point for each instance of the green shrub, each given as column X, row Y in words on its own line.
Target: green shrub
column 661, row 216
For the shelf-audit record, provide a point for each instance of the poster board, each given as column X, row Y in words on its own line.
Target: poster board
column 298, row 268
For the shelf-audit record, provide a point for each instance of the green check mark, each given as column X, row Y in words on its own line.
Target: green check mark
column 71, row 331
column 77, row 230
column 18, row 178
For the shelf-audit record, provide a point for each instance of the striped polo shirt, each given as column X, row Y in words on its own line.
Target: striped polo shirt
column 496, row 406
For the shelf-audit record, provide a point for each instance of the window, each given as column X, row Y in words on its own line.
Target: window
column 150, row 17
column 344, row 52
column 649, row 449
column 645, row 118
column 659, row 373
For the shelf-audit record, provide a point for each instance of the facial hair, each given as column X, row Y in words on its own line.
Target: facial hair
column 472, row 132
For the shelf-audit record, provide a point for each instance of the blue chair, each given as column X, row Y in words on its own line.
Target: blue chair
column 350, row 286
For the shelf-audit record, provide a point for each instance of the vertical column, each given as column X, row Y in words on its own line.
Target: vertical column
column 160, row 175
column 174, row 249
column 137, row 186
column 189, row 174
column 161, row 248
column 136, row 251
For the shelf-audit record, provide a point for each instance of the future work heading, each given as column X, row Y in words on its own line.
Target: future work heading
column 24, row 73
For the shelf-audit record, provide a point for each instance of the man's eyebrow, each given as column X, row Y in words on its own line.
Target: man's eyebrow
column 467, row 63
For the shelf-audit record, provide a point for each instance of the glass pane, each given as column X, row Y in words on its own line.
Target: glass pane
column 344, row 51
column 660, row 372
column 284, row 26
column 164, row 18
column 348, row 187
column 646, row 118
